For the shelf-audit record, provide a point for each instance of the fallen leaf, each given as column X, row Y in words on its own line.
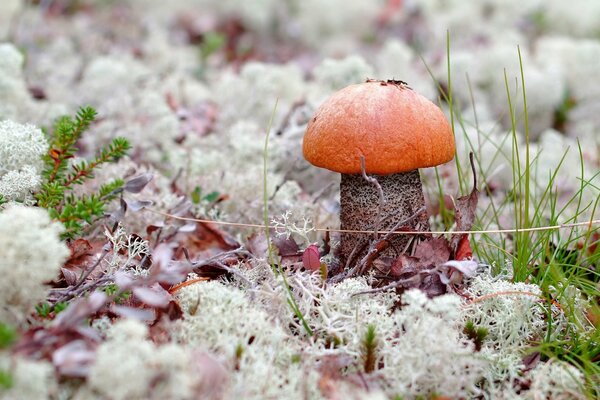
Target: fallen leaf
column 433, row 251
column 311, row 259
column 257, row 245
column 79, row 309
column 138, row 183
column 465, row 209
column 137, row 205
column 74, row 359
column 287, row 247
column 405, row 264
column 452, row 272
column 70, row 276
column 140, row 314
column 154, row 296
column 463, row 249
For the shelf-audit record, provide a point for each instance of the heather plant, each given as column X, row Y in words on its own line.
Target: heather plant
column 61, row 176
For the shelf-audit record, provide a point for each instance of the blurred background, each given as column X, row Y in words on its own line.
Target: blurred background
column 193, row 83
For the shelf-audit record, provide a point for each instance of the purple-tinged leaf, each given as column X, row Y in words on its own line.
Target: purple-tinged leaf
column 70, row 276
column 287, row 247
column 183, row 207
column 453, row 270
column 154, row 296
column 140, row 314
column 74, row 359
column 187, row 228
column 124, row 280
column 137, row 205
column 138, row 183
column 80, row 309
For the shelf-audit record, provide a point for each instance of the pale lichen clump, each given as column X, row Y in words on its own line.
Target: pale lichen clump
column 21, row 151
column 333, row 74
column 421, row 347
column 330, row 19
column 426, row 352
column 513, row 317
column 32, row 254
column 160, row 371
column 252, row 94
column 14, row 98
column 207, row 169
column 29, row 379
column 113, row 86
column 16, row 102
column 555, row 380
column 250, row 342
column 397, row 60
column 340, row 315
column 510, row 311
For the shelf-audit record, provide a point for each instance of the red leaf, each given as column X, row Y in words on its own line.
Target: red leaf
column 311, row 259
column 463, row 249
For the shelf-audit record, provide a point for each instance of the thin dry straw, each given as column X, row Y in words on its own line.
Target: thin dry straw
column 499, row 231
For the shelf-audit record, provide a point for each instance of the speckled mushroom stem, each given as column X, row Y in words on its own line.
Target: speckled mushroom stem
column 403, row 195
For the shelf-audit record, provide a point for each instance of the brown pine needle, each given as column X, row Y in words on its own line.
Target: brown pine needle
column 186, row 283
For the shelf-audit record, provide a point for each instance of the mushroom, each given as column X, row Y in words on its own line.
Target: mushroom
column 391, row 131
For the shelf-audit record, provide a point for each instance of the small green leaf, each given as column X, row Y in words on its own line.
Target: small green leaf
column 6, row 379
column 196, row 195
column 43, row 309
column 211, row 197
column 8, row 335
column 211, row 43
column 61, row 306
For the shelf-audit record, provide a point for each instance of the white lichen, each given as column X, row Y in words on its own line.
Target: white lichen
column 31, row 253
column 21, row 151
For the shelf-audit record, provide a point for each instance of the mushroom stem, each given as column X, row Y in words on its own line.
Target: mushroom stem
column 361, row 207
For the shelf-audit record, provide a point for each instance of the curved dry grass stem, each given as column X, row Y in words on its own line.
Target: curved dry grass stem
column 514, row 292
column 318, row 229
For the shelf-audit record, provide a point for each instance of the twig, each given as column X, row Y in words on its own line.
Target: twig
column 413, row 279
column 88, row 272
column 218, row 261
column 75, row 290
column 70, row 293
column 376, row 248
column 359, row 246
column 187, row 283
column 381, row 204
column 471, row 160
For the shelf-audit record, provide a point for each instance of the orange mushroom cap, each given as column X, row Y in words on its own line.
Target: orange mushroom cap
column 392, row 126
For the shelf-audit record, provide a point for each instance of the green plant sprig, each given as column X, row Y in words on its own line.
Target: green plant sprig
column 60, row 176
